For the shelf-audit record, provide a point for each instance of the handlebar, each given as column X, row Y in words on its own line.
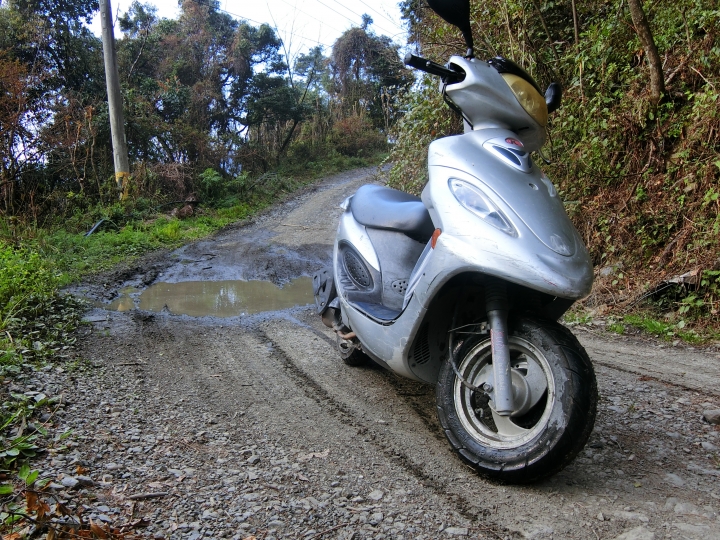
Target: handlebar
column 447, row 75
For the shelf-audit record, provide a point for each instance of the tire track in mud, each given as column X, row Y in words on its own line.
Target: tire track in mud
column 345, row 415
column 429, row 419
column 274, row 373
column 376, row 423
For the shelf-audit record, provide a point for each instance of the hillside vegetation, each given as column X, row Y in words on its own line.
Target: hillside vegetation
column 222, row 118
column 639, row 171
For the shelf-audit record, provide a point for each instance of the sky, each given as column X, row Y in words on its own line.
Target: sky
column 300, row 23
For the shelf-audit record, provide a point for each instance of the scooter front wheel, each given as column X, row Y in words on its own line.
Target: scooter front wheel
column 555, row 397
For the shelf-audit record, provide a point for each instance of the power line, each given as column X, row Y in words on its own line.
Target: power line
column 323, row 22
column 336, row 11
column 346, row 17
column 260, row 23
column 357, row 14
column 342, row 14
column 311, row 16
column 379, row 13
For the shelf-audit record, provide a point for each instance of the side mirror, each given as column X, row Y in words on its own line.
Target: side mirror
column 553, row 97
column 457, row 13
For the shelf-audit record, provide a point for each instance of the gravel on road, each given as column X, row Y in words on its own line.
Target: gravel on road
column 242, row 427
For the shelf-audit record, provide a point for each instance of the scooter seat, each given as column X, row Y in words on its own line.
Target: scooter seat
column 384, row 208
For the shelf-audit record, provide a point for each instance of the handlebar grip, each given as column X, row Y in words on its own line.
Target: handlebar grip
column 433, row 68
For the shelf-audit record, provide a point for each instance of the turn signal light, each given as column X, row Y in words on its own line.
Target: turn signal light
column 434, row 237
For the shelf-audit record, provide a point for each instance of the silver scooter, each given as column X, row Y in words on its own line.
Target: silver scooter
column 463, row 288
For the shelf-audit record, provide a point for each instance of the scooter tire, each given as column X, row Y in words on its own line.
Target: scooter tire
column 350, row 354
column 568, row 412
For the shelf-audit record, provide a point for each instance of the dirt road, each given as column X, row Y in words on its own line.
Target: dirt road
column 251, row 425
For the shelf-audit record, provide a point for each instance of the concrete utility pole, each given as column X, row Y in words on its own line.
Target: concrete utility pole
column 115, row 104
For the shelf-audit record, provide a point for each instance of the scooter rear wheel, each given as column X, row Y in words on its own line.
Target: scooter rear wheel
column 350, row 353
column 555, row 405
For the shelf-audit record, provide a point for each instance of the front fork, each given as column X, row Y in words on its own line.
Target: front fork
column 496, row 302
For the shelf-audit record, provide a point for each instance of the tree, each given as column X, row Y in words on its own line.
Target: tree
column 657, row 80
column 52, row 63
column 62, row 42
column 310, row 67
column 190, row 82
column 364, row 67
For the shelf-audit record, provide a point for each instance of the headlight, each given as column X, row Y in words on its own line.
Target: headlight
column 529, row 98
column 479, row 204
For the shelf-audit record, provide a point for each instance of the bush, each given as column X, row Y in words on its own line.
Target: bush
column 26, row 282
column 35, row 321
column 355, row 136
column 219, row 191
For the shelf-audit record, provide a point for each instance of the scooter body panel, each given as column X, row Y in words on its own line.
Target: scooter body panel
column 390, row 344
column 484, row 99
column 467, row 244
column 546, row 253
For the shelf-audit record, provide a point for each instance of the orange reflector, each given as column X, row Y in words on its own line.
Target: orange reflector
column 434, row 237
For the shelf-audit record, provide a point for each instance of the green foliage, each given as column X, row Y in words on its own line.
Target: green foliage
column 668, row 331
column 35, row 321
column 24, row 280
column 615, row 327
column 219, row 191
column 704, row 300
column 577, row 317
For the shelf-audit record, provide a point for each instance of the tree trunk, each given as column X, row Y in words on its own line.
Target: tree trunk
column 576, row 24
column 547, row 31
column 657, row 81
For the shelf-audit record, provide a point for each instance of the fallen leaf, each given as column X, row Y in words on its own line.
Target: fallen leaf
column 97, row 530
column 43, row 510
column 63, row 510
column 31, row 501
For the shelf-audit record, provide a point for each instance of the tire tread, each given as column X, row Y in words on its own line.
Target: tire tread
column 580, row 406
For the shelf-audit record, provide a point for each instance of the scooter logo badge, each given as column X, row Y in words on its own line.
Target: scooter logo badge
column 510, row 140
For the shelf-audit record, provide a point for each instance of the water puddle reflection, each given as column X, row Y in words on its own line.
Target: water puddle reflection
column 218, row 298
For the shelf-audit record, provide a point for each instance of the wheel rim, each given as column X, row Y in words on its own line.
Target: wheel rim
column 534, row 390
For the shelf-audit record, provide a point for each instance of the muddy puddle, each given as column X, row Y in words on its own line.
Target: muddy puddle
column 216, row 298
